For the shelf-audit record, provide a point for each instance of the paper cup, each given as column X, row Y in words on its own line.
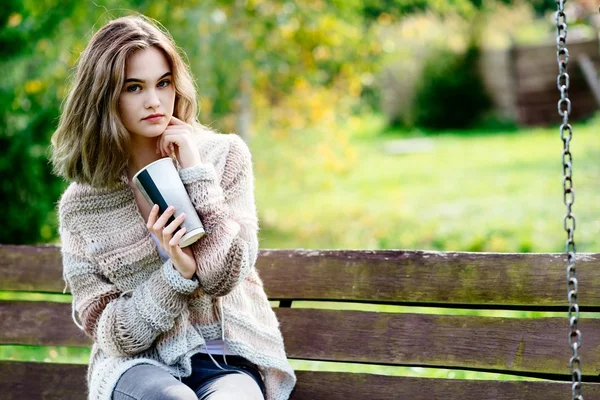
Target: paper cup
column 160, row 184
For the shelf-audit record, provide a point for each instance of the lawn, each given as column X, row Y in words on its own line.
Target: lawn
column 469, row 191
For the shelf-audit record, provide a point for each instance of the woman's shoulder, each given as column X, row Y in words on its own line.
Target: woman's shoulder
column 82, row 198
column 228, row 147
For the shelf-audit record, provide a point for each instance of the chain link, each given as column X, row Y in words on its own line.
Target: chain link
column 566, row 135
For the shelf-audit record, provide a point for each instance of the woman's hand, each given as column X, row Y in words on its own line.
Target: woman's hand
column 182, row 258
column 178, row 137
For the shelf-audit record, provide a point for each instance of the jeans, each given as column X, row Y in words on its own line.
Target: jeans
column 240, row 380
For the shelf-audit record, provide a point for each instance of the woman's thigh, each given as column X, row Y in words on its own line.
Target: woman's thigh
column 149, row 382
column 236, row 385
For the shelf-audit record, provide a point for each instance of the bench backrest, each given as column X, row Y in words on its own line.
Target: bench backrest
column 532, row 347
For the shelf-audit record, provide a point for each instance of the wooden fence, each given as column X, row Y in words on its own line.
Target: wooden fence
column 522, row 82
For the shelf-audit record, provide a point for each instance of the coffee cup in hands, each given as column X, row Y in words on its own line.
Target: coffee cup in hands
column 160, row 184
column 183, row 258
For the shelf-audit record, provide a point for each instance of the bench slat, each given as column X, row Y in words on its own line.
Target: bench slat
column 509, row 345
column 392, row 277
column 39, row 323
column 344, row 386
column 404, row 277
column 29, row 381
column 492, row 344
column 26, row 380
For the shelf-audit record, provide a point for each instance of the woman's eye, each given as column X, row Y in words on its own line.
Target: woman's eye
column 166, row 82
column 132, row 88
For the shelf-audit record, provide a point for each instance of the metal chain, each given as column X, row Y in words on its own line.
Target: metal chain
column 566, row 134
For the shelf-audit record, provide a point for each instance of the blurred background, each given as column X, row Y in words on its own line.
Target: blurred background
column 375, row 124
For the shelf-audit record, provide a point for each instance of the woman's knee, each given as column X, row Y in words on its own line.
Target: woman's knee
column 235, row 386
column 149, row 382
column 176, row 391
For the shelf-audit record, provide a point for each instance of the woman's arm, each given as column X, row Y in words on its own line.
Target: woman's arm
column 228, row 251
column 122, row 324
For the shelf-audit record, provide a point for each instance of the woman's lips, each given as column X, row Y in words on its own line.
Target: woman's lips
column 154, row 119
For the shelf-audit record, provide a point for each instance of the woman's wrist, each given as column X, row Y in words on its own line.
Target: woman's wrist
column 186, row 275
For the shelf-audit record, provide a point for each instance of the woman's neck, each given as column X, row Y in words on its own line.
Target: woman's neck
column 143, row 152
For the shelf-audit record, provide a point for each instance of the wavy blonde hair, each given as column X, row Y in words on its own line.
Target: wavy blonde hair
column 91, row 145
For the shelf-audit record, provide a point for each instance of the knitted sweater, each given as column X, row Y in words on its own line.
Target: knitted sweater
column 138, row 309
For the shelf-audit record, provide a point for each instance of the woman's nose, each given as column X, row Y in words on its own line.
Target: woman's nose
column 152, row 100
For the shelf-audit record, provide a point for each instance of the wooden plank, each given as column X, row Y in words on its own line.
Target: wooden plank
column 526, row 53
column 344, row 386
column 590, row 72
column 384, row 276
column 547, row 83
column 31, row 268
column 26, row 380
column 581, row 97
column 492, row 344
column 517, row 345
column 547, row 114
column 39, row 323
column 535, row 70
column 548, row 68
column 425, row 277
column 29, row 381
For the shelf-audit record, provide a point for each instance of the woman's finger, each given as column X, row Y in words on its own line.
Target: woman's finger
column 170, row 141
column 169, row 229
column 152, row 216
column 164, row 143
column 174, row 242
column 176, row 128
column 161, row 144
column 176, row 121
column 162, row 220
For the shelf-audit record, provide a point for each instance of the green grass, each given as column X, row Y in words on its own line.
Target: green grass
column 474, row 191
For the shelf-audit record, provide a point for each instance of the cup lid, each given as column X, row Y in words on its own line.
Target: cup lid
column 191, row 237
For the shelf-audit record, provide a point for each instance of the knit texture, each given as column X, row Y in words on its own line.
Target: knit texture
column 138, row 309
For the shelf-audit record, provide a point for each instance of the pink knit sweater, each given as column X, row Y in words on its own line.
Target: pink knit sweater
column 139, row 309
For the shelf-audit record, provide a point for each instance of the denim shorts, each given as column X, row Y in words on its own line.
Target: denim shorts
column 204, row 370
column 146, row 381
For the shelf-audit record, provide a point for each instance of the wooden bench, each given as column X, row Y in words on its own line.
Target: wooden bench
column 519, row 346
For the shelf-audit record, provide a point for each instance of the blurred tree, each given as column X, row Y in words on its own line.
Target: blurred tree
column 27, row 113
column 372, row 9
column 303, row 63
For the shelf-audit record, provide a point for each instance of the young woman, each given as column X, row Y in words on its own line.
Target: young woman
column 167, row 322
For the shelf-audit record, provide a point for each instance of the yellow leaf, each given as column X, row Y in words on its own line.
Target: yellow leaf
column 14, row 20
column 33, row 86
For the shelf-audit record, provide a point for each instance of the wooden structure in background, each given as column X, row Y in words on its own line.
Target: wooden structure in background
column 522, row 81
column 520, row 346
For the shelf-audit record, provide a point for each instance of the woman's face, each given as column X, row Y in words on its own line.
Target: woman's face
column 148, row 90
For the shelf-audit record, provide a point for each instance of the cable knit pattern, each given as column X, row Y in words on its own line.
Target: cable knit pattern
column 139, row 309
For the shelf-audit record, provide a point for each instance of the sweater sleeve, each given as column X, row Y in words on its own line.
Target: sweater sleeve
column 121, row 323
column 227, row 210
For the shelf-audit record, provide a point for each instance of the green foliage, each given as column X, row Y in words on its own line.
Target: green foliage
column 450, row 93
column 27, row 114
column 308, row 63
column 373, row 9
column 281, row 47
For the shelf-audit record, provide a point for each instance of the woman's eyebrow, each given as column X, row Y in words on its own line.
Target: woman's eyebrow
column 143, row 81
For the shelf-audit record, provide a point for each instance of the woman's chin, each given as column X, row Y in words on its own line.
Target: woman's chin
column 151, row 132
